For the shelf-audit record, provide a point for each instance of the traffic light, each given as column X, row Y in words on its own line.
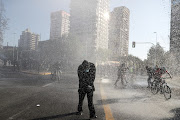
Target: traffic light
column 133, row 44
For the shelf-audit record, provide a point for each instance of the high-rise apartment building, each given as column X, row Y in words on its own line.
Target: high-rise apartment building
column 119, row 32
column 175, row 26
column 89, row 23
column 3, row 23
column 59, row 25
column 28, row 40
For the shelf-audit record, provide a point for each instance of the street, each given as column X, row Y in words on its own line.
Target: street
column 121, row 55
column 35, row 97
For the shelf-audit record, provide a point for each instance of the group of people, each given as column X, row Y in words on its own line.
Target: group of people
column 156, row 73
column 87, row 71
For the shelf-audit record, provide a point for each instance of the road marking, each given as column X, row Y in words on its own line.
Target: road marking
column 107, row 110
column 12, row 117
column 47, row 84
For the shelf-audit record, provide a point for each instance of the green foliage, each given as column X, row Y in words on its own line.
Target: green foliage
column 134, row 63
column 156, row 56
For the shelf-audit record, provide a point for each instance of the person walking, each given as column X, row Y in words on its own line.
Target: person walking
column 150, row 74
column 56, row 71
column 121, row 74
column 86, row 73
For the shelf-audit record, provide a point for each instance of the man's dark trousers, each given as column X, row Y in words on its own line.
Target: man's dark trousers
column 82, row 93
column 149, row 80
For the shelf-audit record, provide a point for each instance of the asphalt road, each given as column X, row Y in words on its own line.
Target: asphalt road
column 36, row 97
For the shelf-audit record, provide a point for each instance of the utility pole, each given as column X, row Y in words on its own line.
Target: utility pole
column 155, row 49
column 17, row 54
column 86, row 49
column 13, row 53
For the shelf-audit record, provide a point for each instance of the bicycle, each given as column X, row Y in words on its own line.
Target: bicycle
column 161, row 85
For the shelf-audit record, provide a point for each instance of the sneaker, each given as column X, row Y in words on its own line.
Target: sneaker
column 79, row 113
column 93, row 117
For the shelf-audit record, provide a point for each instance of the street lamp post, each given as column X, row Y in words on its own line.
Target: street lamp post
column 155, row 49
column 13, row 53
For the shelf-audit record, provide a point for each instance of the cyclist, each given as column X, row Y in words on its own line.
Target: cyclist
column 150, row 74
column 159, row 72
column 158, row 75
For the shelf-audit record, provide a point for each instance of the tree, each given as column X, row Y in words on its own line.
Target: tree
column 3, row 22
column 156, row 56
column 134, row 63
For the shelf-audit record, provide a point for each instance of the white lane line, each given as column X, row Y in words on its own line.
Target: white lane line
column 12, row 117
column 47, row 84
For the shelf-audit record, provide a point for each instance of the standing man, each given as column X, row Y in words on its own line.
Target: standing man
column 150, row 74
column 121, row 74
column 86, row 74
column 58, row 71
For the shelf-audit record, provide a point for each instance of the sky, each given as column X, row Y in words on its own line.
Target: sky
column 148, row 19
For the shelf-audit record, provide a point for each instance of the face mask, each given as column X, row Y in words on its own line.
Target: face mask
column 87, row 70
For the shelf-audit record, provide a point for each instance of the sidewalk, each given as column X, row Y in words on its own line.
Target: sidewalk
column 175, row 81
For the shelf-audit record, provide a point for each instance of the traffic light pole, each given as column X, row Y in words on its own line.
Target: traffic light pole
column 146, row 43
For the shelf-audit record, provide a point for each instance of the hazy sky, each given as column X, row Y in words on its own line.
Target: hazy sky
column 146, row 17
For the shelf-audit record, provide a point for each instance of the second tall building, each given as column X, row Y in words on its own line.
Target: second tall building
column 89, row 23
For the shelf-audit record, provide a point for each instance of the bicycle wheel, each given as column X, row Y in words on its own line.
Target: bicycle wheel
column 167, row 92
column 154, row 87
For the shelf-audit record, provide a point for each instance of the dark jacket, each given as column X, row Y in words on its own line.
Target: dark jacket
column 149, row 71
column 86, row 74
column 122, row 70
